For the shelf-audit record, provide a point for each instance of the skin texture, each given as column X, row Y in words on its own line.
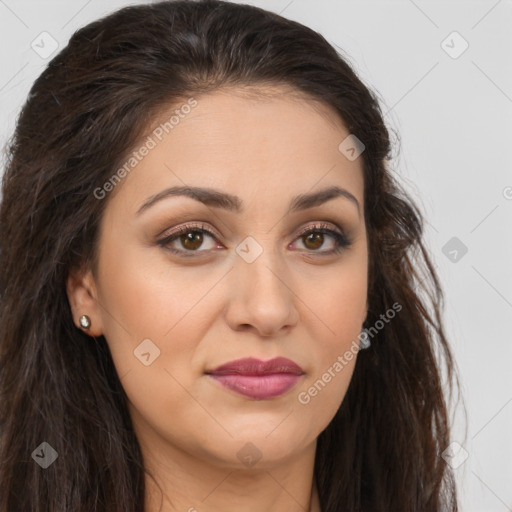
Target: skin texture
column 215, row 307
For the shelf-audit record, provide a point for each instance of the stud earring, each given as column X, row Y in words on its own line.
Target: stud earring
column 85, row 322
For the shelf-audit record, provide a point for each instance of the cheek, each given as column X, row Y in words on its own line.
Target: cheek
column 143, row 297
column 144, row 290
column 335, row 357
column 155, row 321
column 337, row 301
column 336, row 309
column 321, row 395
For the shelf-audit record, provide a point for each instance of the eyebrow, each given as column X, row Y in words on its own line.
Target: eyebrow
column 218, row 199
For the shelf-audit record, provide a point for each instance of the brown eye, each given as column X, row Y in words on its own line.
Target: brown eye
column 192, row 240
column 313, row 240
column 314, row 237
column 188, row 240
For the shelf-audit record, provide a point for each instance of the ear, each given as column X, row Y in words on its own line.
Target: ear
column 82, row 296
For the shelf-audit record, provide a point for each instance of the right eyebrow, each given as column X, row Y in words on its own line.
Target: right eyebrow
column 218, row 199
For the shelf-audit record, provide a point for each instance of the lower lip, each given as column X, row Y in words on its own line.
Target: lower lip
column 259, row 387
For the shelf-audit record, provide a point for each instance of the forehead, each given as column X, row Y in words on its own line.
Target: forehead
column 244, row 139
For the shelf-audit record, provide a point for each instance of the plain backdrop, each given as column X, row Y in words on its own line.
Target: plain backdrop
column 443, row 73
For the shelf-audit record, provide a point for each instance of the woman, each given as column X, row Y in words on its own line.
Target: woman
column 199, row 236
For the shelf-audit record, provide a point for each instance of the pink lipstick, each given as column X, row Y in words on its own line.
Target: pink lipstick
column 258, row 379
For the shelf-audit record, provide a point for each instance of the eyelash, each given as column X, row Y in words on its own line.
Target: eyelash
column 341, row 239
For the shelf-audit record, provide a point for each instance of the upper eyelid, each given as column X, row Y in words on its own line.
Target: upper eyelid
column 321, row 225
column 203, row 227
column 199, row 226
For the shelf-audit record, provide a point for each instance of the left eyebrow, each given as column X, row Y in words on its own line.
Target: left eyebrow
column 218, row 199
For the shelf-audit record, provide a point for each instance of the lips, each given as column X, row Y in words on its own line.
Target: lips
column 252, row 366
column 258, row 379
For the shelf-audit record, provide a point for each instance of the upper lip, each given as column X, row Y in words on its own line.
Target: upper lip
column 252, row 366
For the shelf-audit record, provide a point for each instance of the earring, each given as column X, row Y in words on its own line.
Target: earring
column 85, row 322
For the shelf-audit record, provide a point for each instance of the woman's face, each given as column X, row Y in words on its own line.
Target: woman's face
column 173, row 310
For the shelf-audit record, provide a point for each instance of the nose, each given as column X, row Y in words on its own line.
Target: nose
column 262, row 297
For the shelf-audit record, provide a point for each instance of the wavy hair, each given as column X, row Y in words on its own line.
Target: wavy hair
column 84, row 114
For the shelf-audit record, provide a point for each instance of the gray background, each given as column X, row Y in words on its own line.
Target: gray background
column 453, row 115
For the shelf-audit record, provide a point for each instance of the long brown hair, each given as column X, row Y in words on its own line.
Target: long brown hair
column 85, row 112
